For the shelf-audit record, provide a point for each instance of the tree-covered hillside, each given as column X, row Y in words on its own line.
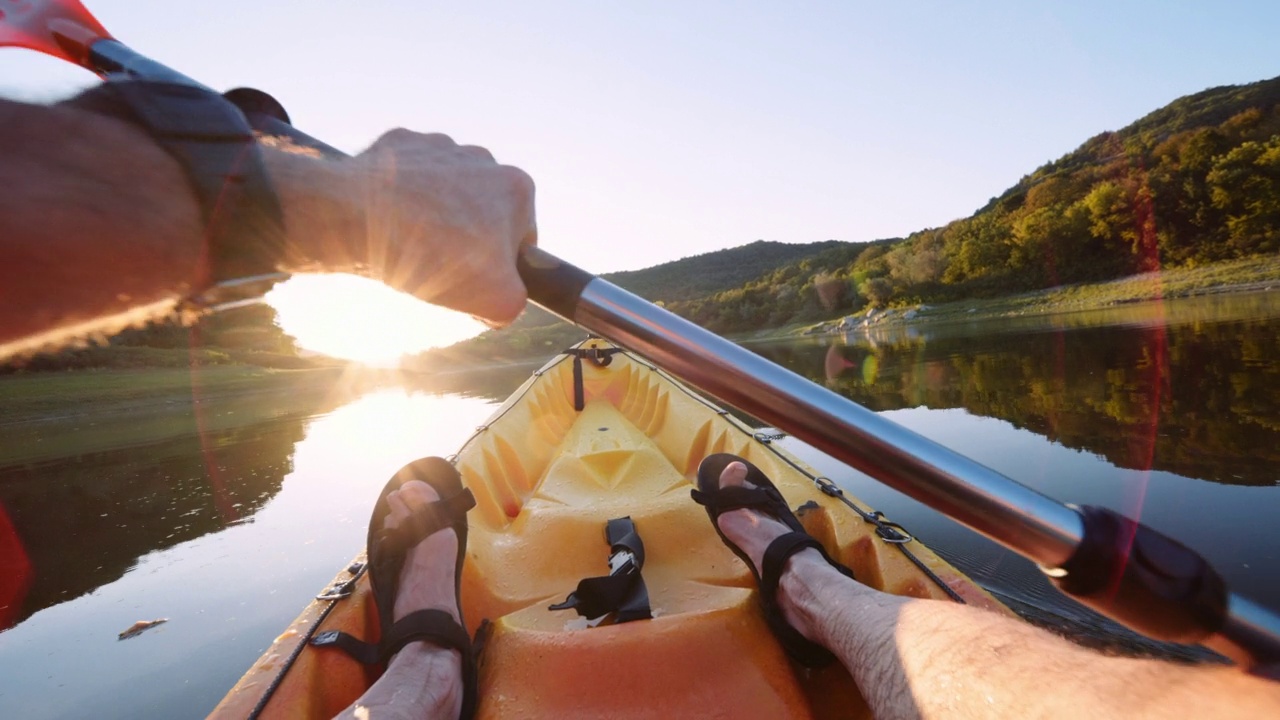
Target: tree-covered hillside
column 1195, row 182
column 697, row 276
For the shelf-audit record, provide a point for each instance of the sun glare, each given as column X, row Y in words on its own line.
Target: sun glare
column 355, row 318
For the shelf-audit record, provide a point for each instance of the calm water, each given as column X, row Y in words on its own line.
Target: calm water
column 1169, row 412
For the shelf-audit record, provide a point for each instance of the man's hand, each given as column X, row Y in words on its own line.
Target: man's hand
column 446, row 222
column 437, row 220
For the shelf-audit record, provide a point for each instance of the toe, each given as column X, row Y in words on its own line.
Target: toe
column 397, row 510
column 734, row 474
column 748, row 529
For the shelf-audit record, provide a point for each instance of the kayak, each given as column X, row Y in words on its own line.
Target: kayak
column 598, row 435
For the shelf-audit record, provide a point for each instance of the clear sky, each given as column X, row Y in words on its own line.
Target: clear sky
column 657, row 130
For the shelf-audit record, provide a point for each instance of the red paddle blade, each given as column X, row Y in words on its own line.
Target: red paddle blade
column 61, row 28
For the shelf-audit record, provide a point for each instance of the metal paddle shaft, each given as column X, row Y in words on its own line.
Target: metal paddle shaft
column 1011, row 514
column 1123, row 569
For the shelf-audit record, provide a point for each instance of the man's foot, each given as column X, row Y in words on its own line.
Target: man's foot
column 752, row 531
column 423, row 679
column 427, row 577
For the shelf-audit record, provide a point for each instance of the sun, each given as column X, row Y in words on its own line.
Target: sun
column 358, row 319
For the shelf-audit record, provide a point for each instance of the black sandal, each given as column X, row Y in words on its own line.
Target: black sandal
column 387, row 550
column 765, row 498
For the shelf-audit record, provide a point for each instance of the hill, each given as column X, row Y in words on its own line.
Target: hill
column 1192, row 183
column 696, row 276
column 712, row 274
column 707, row 274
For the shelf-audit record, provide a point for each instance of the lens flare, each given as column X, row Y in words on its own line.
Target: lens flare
column 358, row 319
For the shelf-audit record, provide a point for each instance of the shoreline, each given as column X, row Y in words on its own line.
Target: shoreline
column 1229, row 278
column 1255, row 275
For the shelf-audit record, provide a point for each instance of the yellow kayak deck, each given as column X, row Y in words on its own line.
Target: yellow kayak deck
column 547, row 477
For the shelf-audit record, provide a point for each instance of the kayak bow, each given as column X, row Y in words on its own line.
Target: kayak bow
column 595, row 436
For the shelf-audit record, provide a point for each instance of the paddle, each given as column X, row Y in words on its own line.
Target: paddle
column 1120, row 568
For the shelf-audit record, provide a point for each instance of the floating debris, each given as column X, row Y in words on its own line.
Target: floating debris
column 140, row 627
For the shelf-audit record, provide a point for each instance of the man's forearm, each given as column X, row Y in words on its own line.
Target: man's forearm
column 101, row 230
column 98, row 228
column 928, row 658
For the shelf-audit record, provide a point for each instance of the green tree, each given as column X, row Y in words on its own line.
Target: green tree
column 878, row 291
column 1245, row 184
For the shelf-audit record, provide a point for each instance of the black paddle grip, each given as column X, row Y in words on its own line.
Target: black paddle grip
column 552, row 283
column 1144, row 579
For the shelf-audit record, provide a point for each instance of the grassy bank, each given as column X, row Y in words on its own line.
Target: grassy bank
column 43, row 396
column 1249, row 275
column 54, row 414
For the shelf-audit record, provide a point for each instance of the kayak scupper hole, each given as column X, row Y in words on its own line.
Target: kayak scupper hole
column 602, row 429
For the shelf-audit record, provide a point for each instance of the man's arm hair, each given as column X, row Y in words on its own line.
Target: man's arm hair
column 930, row 658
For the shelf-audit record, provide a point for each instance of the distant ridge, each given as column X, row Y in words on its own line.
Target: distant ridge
column 709, row 273
column 702, row 275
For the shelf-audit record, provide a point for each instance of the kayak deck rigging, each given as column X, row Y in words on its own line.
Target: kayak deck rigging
column 547, row 476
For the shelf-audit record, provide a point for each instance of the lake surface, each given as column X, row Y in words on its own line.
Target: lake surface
column 1169, row 412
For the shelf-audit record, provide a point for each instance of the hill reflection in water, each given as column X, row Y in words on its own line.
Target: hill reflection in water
column 1175, row 422
column 1197, row 398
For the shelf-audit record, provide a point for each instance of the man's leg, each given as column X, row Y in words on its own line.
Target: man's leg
column 421, row 681
column 928, row 658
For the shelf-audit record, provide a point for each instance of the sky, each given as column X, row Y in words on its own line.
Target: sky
column 658, row 130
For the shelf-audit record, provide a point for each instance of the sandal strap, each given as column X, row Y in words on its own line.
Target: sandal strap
column 432, row 626
column 436, row 627
column 800, row 648
column 734, row 497
column 359, row 650
column 429, row 519
column 767, row 499
column 776, row 556
column 781, row 550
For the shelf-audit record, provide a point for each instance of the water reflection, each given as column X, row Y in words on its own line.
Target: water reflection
column 1175, row 423
column 78, row 522
column 493, row 383
column 1195, row 398
column 85, row 521
column 165, row 549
